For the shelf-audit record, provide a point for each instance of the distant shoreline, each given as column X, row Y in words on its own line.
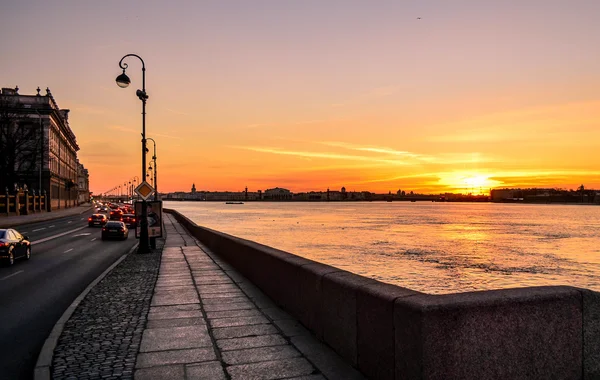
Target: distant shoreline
column 382, row 201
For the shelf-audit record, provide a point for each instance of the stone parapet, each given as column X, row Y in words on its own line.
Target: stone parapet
column 390, row 332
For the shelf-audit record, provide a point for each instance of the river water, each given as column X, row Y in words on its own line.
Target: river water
column 431, row 247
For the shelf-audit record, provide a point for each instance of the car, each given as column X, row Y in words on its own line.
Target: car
column 13, row 245
column 116, row 215
column 129, row 220
column 97, row 220
column 115, row 229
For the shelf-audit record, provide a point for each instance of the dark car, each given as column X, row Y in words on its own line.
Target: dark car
column 115, row 229
column 97, row 220
column 116, row 215
column 129, row 220
column 13, row 245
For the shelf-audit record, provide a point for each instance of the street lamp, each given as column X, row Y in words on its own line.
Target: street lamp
column 155, row 170
column 148, row 175
column 123, row 81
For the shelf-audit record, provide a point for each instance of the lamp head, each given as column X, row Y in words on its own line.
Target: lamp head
column 123, row 80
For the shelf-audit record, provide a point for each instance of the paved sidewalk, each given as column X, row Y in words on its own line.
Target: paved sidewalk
column 208, row 322
column 184, row 314
column 13, row 220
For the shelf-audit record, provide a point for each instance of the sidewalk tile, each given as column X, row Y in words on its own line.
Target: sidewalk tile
column 260, row 354
column 243, row 331
column 250, row 342
column 205, row 371
column 233, row 313
column 175, row 322
column 171, row 338
column 171, row 372
column 271, row 370
column 238, row 321
column 186, row 356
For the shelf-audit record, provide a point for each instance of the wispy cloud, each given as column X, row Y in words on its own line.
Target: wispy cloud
column 415, row 158
column 326, row 155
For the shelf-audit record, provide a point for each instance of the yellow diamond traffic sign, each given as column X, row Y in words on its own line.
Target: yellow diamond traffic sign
column 144, row 190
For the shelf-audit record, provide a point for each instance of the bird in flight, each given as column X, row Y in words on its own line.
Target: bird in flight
column 418, row 18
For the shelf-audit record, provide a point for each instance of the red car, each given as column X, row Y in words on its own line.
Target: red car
column 129, row 220
column 116, row 215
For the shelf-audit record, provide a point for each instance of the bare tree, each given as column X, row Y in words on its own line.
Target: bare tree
column 20, row 140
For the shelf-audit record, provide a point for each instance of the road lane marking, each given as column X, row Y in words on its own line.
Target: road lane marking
column 10, row 275
column 70, row 221
column 39, row 229
column 82, row 219
column 83, row 234
column 68, row 250
column 93, row 239
column 23, row 232
column 50, row 226
column 57, row 236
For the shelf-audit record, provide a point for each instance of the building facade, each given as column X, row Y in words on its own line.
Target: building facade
column 83, row 184
column 55, row 168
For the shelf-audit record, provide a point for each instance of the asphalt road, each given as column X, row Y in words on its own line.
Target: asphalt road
column 66, row 256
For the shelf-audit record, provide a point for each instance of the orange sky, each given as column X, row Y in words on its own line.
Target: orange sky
column 309, row 95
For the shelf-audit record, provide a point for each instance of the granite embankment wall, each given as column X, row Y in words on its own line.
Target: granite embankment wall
column 390, row 332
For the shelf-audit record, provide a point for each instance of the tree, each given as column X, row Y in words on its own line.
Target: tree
column 19, row 143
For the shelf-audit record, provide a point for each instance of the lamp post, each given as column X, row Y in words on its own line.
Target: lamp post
column 123, row 81
column 150, row 175
column 135, row 178
column 155, row 170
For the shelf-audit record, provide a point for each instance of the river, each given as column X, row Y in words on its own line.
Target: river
column 431, row 247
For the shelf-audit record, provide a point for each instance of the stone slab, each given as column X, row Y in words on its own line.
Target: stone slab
column 233, row 313
column 205, row 371
column 174, row 298
column 238, row 321
column 291, row 327
column 250, row 342
column 185, row 356
column 216, row 301
column 271, row 370
column 171, row 338
column 325, row 359
column 231, row 294
column 171, row 372
column 259, row 354
column 176, row 322
column 243, row 331
column 245, row 304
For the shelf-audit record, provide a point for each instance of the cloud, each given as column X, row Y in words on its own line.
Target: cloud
column 417, row 158
column 326, row 155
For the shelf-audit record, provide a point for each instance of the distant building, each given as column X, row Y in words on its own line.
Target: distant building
column 277, row 194
column 58, row 146
column 83, row 184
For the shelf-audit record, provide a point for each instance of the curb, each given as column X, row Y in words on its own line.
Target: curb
column 44, row 361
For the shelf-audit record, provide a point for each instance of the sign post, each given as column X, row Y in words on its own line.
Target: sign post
column 154, row 212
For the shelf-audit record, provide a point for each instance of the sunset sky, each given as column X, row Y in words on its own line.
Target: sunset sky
column 312, row 94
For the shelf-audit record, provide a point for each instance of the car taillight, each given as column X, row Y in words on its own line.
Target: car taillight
column 122, row 229
column 3, row 244
column 104, row 229
column 133, row 219
column 89, row 219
